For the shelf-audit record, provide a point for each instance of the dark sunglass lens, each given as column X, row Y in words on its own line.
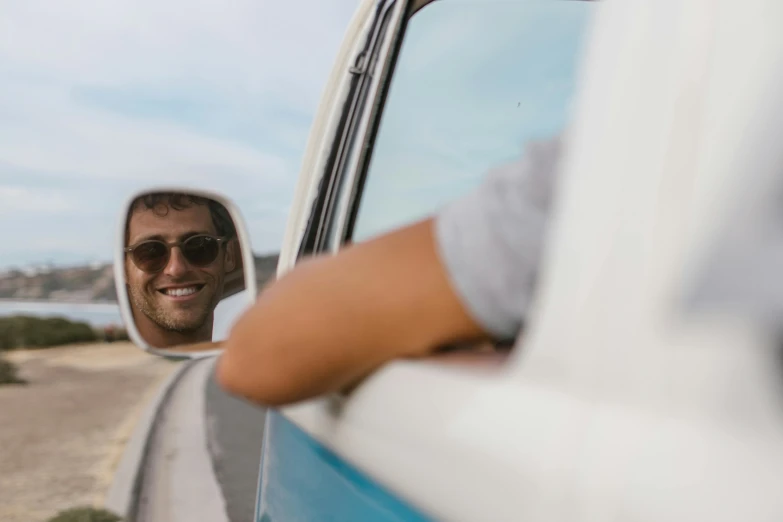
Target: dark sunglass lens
column 201, row 250
column 151, row 256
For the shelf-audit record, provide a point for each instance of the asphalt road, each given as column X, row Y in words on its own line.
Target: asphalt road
column 177, row 483
column 234, row 435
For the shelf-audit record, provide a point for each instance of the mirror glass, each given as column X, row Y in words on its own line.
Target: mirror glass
column 184, row 270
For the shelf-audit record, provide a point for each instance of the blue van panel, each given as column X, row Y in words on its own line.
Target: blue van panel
column 303, row 481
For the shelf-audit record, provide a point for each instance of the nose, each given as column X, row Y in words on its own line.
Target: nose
column 177, row 265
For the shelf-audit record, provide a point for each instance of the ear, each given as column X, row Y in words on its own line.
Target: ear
column 231, row 256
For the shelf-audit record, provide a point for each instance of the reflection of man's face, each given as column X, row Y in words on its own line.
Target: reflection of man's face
column 181, row 298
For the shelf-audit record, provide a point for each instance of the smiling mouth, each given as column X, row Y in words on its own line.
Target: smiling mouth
column 183, row 291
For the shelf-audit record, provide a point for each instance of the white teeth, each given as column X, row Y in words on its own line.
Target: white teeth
column 180, row 292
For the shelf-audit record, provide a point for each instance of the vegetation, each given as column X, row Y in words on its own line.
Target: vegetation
column 39, row 332
column 72, row 284
column 94, row 283
column 9, row 373
column 85, row 514
column 118, row 334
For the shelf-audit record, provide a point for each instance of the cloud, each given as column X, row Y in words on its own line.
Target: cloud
column 52, row 133
column 243, row 47
column 99, row 99
column 16, row 199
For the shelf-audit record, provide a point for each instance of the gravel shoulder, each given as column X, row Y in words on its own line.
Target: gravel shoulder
column 62, row 434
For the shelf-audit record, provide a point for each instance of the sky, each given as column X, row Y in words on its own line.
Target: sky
column 99, row 99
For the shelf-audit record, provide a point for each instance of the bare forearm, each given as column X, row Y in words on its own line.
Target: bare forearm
column 334, row 319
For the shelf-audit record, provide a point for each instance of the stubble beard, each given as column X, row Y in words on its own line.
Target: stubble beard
column 169, row 322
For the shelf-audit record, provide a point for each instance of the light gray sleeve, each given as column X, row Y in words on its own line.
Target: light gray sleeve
column 491, row 239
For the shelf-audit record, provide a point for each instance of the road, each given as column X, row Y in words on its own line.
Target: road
column 204, row 454
column 177, row 480
column 235, row 429
column 63, row 432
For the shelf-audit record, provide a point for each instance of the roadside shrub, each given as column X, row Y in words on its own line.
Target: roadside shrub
column 112, row 335
column 85, row 514
column 9, row 373
column 36, row 332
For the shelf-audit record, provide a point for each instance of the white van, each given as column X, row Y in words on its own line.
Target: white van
column 628, row 401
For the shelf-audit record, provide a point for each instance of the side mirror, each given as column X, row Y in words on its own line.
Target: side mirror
column 180, row 255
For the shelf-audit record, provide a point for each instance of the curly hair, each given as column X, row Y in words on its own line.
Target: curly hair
column 161, row 202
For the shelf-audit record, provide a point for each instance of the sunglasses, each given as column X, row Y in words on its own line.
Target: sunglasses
column 153, row 255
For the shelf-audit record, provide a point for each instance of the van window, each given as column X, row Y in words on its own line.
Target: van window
column 474, row 82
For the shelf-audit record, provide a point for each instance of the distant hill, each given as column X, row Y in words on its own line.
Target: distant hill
column 94, row 283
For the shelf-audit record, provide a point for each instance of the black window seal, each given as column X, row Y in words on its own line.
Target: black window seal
column 314, row 234
column 368, row 146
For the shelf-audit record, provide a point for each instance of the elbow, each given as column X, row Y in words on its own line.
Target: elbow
column 244, row 371
column 252, row 384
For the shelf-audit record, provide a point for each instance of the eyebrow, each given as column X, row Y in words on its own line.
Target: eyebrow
column 181, row 237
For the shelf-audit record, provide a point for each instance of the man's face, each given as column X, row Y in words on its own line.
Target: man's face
column 181, row 297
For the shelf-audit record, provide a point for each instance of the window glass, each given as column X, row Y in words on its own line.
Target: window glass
column 475, row 81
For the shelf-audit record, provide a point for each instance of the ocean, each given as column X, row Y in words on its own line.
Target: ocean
column 95, row 314
column 101, row 314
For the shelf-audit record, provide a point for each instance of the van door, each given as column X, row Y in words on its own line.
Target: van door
column 442, row 92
